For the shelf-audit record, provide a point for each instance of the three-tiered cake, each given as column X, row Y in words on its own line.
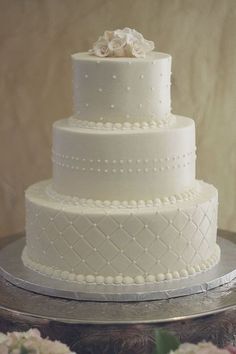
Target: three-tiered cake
column 123, row 206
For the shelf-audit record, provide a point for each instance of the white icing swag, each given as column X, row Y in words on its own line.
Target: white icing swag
column 122, row 43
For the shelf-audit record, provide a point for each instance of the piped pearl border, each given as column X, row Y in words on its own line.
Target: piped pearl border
column 157, row 202
column 120, row 279
column 75, row 122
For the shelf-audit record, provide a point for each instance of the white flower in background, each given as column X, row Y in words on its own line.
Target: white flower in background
column 122, row 43
column 200, row 348
column 30, row 342
column 3, row 337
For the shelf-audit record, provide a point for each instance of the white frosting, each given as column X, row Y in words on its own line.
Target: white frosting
column 156, row 202
column 105, row 245
column 122, row 126
column 124, row 165
column 121, row 89
column 122, row 43
column 120, row 279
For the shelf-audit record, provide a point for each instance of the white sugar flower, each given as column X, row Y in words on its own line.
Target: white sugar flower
column 122, row 43
column 137, row 49
column 133, row 35
column 108, row 35
column 117, row 46
column 100, row 48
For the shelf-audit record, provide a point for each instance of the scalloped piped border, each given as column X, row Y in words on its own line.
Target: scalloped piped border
column 116, row 204
column 119, row 279
column 161, row 123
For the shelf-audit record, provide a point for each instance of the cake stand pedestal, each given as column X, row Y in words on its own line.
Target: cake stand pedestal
column 108, row 327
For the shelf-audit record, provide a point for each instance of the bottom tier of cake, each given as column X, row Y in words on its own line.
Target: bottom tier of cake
column 121, row 242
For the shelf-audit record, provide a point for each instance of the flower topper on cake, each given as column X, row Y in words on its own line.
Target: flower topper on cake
column 122, row 43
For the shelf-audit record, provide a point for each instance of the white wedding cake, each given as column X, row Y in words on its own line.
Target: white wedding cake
column 123, row 205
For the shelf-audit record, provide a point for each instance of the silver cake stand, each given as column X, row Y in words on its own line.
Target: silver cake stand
column 121, row 327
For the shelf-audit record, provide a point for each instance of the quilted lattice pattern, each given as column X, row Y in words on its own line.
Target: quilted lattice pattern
column 131, row 243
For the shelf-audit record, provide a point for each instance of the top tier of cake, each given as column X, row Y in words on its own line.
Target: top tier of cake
column 122, row 89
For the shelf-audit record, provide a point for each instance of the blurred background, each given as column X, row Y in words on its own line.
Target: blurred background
column 36, row 40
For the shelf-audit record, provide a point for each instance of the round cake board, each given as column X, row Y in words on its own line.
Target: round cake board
column 13, row 270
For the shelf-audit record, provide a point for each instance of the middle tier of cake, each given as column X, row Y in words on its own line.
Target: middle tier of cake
column 138, row 163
